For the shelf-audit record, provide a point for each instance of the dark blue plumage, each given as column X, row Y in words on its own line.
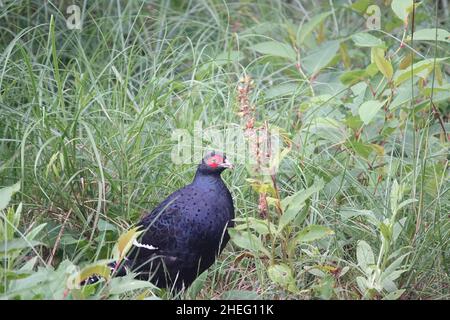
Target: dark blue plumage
column 185, row 232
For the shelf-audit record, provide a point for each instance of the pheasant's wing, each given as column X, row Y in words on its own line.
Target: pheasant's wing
column 159, row 241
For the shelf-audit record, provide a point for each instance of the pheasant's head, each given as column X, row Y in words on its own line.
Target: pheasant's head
column 214, row 162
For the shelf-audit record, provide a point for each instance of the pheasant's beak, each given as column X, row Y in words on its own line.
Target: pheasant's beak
column 226, row 164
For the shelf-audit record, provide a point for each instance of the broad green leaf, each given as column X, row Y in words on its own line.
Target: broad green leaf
column 365, row 39
column 281, row 90
column 378, row 149
column 365, row 257
column 352, row 77
column 393, row 267
column 293, row 204
column 363, row 285
column 122, row 285
column 406, row 62
column 6, row 194
column 34, row 231
column 97, row 269
column 320, row 57
column 282, row 274
column 325, row 288
column 361, row 148
column 313, row 233
column 275, row 48
column 125, row 242
column 17, row 244
column 308, row 27
column 390, row 278
column 421, row 69
column 372, row 69
column 381, row 62
column 430, row 35
column 402, row 8
column 328, row 129
column 386, row 231
column 360, row 5
column 198, row 284
column 368, row 110
column 104, row 225
column 247, row 240
column 259, row 225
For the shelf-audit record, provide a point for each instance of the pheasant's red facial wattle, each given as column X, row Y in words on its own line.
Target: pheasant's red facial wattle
column 214, row 161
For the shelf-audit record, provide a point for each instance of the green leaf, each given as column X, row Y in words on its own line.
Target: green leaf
column 382, row 63
column 365, row 39
column 325, row 288
column 371, row 69
column 125, row 242
column 100, row 268
column 320, row 57
column 386, row 231
column 104, row 225
column 312, row 233
column 402, row 8
column 293, row 204
column 393, row 267
column 308, row 27
column 430, row 35
column 421, row 69
column 198, row 284
column 361, row 5
column 365, row 257
column 368, row 110
column 17, row 244
column 275, row 48
column 122, row 285
column 6, row 194
column 352, row 77
column 259, row 225
column 388, row 281
column 34, row 231
column 363, row 284
column 281, row 90
column 247, row 240
column 282, row 274
column 361, row 148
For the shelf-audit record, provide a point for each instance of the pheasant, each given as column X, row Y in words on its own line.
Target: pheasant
column 185, row 233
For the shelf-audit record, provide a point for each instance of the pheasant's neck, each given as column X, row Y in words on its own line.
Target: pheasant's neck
column 208, row 180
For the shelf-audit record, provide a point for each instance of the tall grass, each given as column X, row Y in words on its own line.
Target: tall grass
column 87, row 116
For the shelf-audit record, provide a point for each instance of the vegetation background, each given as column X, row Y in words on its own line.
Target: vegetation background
column 359, row 208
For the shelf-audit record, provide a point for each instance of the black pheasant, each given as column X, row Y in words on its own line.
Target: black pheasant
column 185, row 232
